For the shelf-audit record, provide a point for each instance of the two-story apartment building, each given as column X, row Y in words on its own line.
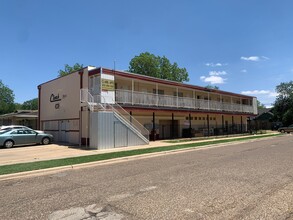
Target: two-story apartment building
column 160, row 108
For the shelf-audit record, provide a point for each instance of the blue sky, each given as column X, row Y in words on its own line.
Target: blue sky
column 240, row 46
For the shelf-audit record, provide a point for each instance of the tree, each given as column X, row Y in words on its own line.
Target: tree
column 18, row 106
column 260, row 105
column 160, row 67
column 283, row 106
column 30, row 104
column 6, row 99
column 285, row 89
column 212, row 87
column 69, row 69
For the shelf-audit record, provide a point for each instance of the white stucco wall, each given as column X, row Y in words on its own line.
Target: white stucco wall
column 108, row 96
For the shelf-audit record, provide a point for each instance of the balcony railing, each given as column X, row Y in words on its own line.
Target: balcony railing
column 150, row 99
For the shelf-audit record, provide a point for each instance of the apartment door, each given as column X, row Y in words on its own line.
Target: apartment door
column 166, row 129
column 226, row 126
column 175, row 129
column 63, row 130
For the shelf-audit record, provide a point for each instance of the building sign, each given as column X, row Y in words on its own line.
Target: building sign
column 54, row 98
column 108, row 85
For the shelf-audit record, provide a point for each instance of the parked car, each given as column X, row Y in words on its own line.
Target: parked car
column 286, row 129
column 21, row 136
column 8, row 127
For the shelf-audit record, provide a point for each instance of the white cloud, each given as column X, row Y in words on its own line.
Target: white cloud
column 257, row 92
column 217, row 73
column 213, row 79
column 216, row 64
column 244, row 71
column 273, row 94
column 266, row 97
column 265, row 58
column 255, row 58
column 252, row 58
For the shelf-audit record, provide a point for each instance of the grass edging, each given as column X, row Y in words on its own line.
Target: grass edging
column 185, row 140
column 23, row 167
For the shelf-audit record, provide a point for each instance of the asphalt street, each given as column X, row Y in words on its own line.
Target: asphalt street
column 251, row 180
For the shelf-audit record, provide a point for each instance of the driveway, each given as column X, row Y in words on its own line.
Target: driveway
column 22, row 154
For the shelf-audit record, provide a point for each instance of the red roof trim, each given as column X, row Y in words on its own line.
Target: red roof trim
column 95, row 71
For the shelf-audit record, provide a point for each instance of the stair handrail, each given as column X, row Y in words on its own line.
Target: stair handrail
column 129, row 119
column 95, row 100
column 131, row 126
column 87, row 97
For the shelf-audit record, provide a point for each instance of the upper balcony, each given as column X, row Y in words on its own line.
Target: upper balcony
column 138, row 90
column 149, row 99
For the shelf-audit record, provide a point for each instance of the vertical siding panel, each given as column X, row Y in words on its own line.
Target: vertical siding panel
column 107, row 131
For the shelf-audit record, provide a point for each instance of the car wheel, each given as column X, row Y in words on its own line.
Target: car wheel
column 8, row 144
column 46, row 140
column 282, row 131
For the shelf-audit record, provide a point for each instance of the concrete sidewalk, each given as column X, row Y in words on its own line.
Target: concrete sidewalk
column 24, row 154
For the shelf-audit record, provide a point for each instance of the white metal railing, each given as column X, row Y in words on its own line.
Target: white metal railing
column 150, row 99
column 130, row 120
column 86, row 97
column 97, row 100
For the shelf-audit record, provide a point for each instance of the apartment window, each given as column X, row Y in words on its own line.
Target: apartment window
column 180, row 94
column 195, row 118
column 160, row 91
column 199, row 118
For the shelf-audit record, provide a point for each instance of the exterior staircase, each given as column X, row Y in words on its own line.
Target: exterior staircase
column 96, row 104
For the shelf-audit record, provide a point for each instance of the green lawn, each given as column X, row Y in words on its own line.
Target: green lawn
column 214, row 137
column 16, row 168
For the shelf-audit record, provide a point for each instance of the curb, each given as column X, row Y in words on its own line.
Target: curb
column 54, row 170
